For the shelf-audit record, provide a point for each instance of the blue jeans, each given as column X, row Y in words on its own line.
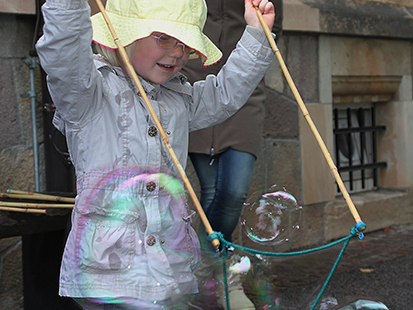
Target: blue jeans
column 224, row 187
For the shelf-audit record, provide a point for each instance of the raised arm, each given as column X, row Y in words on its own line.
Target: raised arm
column 66, row 56
column 218, row 97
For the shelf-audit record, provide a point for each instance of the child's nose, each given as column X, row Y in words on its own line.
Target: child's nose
column 177, row 52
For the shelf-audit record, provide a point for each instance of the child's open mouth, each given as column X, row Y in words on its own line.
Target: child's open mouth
column 165, row 67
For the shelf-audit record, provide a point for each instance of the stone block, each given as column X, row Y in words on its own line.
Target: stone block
column 16, row 169
column 324, row 63
column 300, row 17
column 337, row 220
column 377, row 209
column 352, row 56
column 17, row 33
column 281, row 120
column 394, row 144
column 361, row 18
column 405, row 91
column 311, row 228
column 274, row 78
column 318, row 183
column 302, row 64
column 278, row 164
column 18, row 6
column 9, row 114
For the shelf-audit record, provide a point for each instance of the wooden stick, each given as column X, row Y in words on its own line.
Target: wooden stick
column 35, row 196
column 12, row 191
column 35, row 205
column 304, row 110
column 43, row 196
column 132, row 72
column 23, row 210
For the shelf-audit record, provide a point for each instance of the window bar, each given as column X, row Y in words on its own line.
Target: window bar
column 365, row 166
column 350, row 148
column 365, row 129
column 337, row 151
column 367, row 135
column 373, row 134
column 362, row 144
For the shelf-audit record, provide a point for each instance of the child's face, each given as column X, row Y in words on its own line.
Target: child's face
column 155, row 64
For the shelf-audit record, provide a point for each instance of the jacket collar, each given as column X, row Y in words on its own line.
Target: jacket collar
column 178, row 83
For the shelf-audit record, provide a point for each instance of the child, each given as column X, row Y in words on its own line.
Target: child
column 131, row 245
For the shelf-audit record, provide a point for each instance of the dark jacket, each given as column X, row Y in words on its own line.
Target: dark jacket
column 225, row 25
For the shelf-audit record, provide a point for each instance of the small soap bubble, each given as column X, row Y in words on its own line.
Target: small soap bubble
column 242, row 266
column 271, row 217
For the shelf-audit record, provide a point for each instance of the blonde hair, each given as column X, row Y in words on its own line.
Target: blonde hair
column 112, row 55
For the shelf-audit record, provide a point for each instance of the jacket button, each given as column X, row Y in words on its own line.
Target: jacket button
column 152, row 131
column 150, row 186
column 150, row 240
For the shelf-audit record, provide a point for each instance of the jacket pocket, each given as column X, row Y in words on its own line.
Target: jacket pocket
column 105, row 245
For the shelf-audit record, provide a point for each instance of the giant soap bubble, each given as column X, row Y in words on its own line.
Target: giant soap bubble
column 126, row 222
column 271, row 217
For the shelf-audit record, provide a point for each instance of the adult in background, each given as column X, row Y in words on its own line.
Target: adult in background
column 224, row 155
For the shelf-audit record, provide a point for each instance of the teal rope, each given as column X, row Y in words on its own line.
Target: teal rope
column 356, row 230
column 224, row 275
column 218, row 235
column 330, row 275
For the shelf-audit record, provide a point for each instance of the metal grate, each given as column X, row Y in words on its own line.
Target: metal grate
column 355, row 147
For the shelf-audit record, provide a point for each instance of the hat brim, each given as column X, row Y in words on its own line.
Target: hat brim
column 128, row 30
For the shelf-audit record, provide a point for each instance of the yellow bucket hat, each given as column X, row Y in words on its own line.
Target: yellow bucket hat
column 136, row 19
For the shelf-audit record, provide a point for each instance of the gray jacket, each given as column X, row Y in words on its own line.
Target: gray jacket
column 131, row 229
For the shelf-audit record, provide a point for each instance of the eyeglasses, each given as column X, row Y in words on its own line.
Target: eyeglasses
column 168, row 43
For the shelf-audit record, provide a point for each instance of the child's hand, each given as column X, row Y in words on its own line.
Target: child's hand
column 267, row 11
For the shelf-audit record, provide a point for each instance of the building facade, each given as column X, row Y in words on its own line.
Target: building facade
column 351, row 62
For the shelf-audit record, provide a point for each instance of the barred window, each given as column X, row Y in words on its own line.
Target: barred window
column 355, row 146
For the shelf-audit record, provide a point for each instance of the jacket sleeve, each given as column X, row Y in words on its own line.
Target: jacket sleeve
column 218, row 97
column 66, row 56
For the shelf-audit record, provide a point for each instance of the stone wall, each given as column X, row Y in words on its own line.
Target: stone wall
column 16, row 141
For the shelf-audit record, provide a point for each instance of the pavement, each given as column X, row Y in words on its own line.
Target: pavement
column 378, row 267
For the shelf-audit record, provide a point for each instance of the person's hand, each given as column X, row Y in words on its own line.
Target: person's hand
column 266, row 8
